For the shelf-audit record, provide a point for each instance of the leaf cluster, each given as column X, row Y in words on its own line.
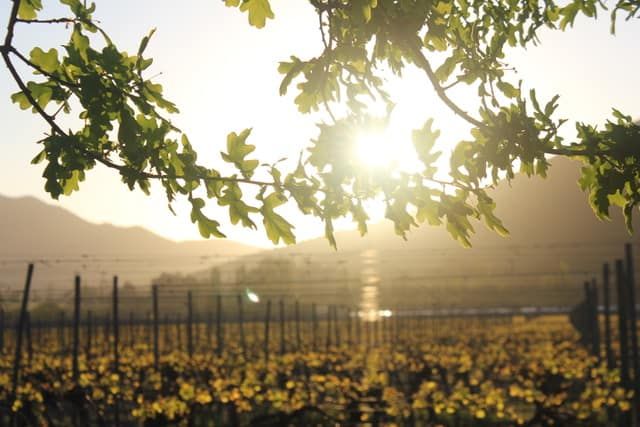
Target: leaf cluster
column 126, row 121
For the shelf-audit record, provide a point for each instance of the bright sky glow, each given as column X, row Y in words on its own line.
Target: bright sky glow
column 223, row 76
column 375, row 149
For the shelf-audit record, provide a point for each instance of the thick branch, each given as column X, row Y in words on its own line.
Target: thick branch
column 11, row 24
column 97, row 157
column 7, row 48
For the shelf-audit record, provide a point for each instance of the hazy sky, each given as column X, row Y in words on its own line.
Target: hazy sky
column 222, row 75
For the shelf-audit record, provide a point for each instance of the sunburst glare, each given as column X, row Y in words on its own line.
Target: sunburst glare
column 375, row 149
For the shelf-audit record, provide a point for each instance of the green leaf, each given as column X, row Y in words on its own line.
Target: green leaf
column 21, row 99
column 237, row 150
column 75, row 5
column 206, row 226
column 290, row 70
column 429, row 211
column 446, row 69
column 569, row 13
column 402, row 220
column 47, row 61
column 41, row 93
column 259, row 11
column 486, row 207
column 508, row 89
column 458, row 232
column 145, row 42
column 360, row 217
column 276, row 226
column 154, row 92
column 128, row 130
column 73, row 183
column 80, row 43
column 588, row 178
column 238, row 210
column 141, row 63
column 28, row 9
column 42, row 155
column 329, row 233
column 423, row 141
column 617, row 199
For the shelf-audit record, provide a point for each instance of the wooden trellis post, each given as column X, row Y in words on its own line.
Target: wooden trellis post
column 132, row 329
column 219, row 331
column 298, row 337
column 623, row 334
column 89, row 327
column 190, row 324
column 209, row 327
column 314, row 326
column 283, row 347
column 607, row 316
column 116, row 348
column 61, row 326
column 76, row 330
column 1, row 331
column 267, row 319
column 19, row 330
column 349, row 337
column 28, row 336
column 243, row 343
column 595, row 323
column 156, row 331
column 633, row 325
column 328, row 342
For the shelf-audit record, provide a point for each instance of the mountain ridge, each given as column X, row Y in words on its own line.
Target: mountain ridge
column 66, row 243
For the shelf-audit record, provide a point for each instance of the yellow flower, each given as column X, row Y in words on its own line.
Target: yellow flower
column 203, row 397
column 480, row 414
column 624, row 405
column 186, row 392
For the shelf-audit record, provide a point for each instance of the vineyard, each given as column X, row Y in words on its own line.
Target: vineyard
column 241, row 360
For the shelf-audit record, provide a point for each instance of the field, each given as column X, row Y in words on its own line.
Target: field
column 396, row 371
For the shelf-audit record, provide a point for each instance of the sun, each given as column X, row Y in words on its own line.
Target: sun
column 375, row 149
column 389, row 149
column 382, row 152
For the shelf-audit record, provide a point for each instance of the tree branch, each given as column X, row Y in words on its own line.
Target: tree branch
column 49, row 21
column 23, row 87
column 423, row 63
column 11, row 24
column 97, row 157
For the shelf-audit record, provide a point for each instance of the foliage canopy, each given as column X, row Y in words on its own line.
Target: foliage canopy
column 126, row 123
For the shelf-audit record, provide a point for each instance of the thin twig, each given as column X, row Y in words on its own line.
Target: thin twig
column 49, row 21
column 425, row 65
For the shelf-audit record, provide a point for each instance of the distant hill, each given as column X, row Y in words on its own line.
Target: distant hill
column 555, row 244
column 33, row 230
